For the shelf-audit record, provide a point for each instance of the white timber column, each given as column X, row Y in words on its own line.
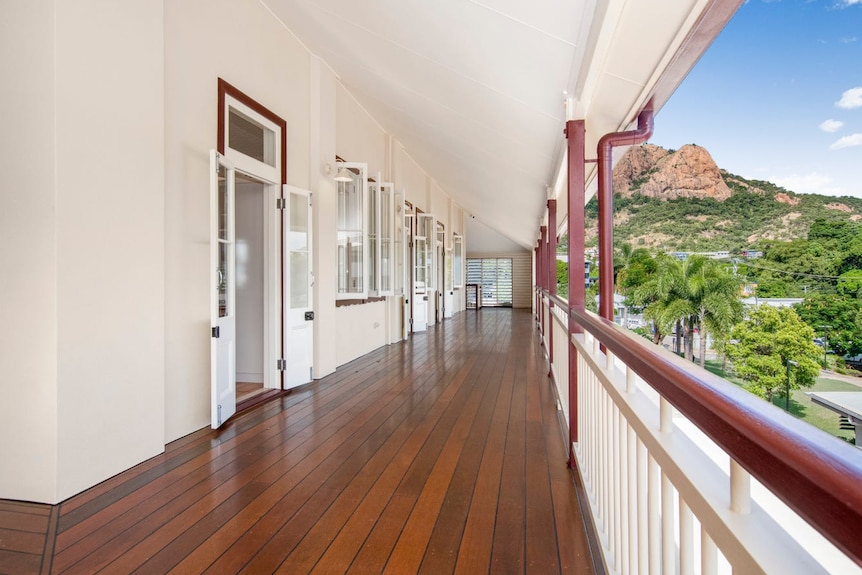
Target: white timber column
column 323, row 106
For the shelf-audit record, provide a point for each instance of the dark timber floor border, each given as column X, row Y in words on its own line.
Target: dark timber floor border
column 439, row 455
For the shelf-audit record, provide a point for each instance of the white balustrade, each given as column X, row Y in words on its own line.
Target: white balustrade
column 661, row 500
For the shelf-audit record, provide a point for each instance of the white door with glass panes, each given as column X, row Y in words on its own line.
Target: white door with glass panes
column 448, row 290
column 427, row 229
column 222, row 289
column 298, row 282
column 420, row 284
column 406, row 271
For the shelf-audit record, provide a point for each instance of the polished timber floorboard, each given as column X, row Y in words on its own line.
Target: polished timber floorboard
column 439, row 455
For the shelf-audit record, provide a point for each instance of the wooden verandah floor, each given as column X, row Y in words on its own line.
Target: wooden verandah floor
column 440, row 455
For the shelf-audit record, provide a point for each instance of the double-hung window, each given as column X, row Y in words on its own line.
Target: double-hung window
column 387, row 238
column 352, row 231
column 427, row 229
column 381, row 229
column 458, row 260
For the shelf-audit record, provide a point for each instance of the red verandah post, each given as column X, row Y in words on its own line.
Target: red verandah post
column 543, row 279
column 575, row 136
column 552, row 275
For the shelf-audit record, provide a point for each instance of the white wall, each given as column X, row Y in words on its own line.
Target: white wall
column 358, row 137
column 367, row 320
column 28, row 258
column 240, row 41
column 249, row 282
column 439, row 204
column 110, row 237
column 415, row 182
column 87, row 358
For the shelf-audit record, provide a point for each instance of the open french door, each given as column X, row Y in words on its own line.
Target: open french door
column 223, row 288
column 298, row 282
column 420, row 283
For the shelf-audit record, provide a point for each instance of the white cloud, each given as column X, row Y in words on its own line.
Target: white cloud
column 852, row 98
column 812, row 183
column 847, row 141
column 831, row 125
column 848, row 40
column 845, row 3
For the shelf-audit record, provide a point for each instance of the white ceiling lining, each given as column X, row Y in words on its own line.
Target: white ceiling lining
column 473, row 88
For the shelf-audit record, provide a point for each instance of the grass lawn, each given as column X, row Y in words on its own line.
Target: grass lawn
column 801, row 405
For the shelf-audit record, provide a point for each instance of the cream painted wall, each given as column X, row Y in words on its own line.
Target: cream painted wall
column 439, row 205
column 110, row 236
column 28, row 254
column 365, row 333
column 240, row 41
column 414, row 182
column 249, row 282
column 358, row 137
column 322, row 117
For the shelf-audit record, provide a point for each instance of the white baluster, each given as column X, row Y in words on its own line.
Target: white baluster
column 708, row 554
column 668, row 526
column 653, row 508
column 686, row 539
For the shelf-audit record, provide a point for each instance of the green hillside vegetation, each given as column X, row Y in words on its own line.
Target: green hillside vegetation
column 750, row 217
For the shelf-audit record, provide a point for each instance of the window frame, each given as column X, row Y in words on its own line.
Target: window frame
column 231, row 97
column 458, row 261
column 362, row 181
column 386, row 232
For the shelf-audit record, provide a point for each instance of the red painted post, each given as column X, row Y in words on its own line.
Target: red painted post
column 543, row 284
column 536, row 282
column 552, row 274
column 552, row 247
column 575, row 135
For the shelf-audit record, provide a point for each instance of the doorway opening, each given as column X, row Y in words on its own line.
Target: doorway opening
column 250, row 282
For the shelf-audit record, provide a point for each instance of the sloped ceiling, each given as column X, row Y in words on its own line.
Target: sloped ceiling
column 474, row 89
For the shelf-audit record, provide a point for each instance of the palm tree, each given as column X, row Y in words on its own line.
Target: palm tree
column 697, row 293
column 715, row 293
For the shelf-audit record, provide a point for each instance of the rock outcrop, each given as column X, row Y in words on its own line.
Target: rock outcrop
column 689, row 172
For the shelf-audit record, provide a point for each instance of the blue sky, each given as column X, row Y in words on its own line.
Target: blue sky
column 778, row 97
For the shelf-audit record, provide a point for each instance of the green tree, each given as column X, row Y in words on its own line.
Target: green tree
column 761, row 346
column 640, row 267
column 562, row 279
column 840, row 313
column 850, row 283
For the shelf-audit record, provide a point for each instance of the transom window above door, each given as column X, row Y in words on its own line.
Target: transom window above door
column 252, row 137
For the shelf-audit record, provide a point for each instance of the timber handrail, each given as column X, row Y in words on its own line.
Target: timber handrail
column 820, row 480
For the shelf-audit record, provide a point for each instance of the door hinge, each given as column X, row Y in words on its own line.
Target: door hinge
column 281, row 364
column 280, row 203
column 215, row 331
column 310, row 374
column 219, row 414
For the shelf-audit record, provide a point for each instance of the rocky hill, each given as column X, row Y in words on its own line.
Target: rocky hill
column 681, row 200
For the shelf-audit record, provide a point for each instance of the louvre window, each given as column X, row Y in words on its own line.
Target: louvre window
column 495, row 277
